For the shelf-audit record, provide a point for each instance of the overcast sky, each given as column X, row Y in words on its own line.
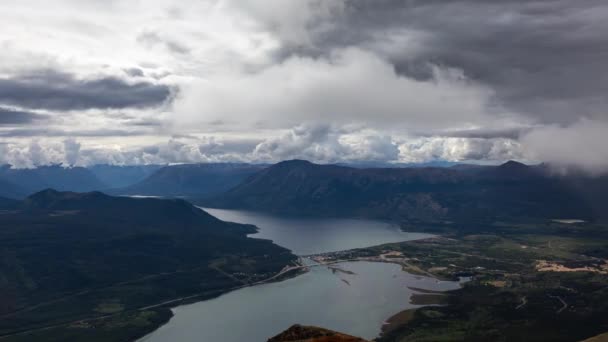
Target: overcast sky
column 158, row 81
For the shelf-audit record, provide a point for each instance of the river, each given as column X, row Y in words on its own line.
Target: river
column 356, row 302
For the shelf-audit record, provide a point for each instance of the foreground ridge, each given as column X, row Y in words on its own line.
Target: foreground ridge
column 300, row 333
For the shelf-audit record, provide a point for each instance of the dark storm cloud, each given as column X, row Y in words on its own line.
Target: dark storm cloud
column 481, row 133
column 53, row 90
column 15, row 117
column 134, row 72
column 545, row 58
column 146, row 122
column 52, row 132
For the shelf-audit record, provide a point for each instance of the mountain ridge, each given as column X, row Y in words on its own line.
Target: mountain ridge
column 51, row 176
column 192, row 180
column 119, row 176
column 298, row 187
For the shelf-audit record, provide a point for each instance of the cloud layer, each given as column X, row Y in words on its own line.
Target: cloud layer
column 319, row 143
column 86, row 82
column 51, row 90
column 16, row 117
column 350, row 86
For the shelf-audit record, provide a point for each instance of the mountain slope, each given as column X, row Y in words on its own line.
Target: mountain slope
column 66, row 256
column 192, row 180
column 512, row 189
column 116, row 176
column 54, row 176
column 10, row 190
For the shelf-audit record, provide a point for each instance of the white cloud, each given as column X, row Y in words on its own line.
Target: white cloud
column 31, row 154
column 319, row 143
column 581, row 144
column 71, row 150
column 352, row 86
column 316, row 142
column 416, row 150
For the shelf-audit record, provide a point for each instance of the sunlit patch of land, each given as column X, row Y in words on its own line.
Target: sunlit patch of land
column 568, row 221
column 594, row 266
column 598, row 338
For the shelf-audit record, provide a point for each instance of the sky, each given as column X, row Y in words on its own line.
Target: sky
column 128, row 82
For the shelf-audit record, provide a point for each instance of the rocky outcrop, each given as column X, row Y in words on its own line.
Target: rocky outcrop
column 299, row 333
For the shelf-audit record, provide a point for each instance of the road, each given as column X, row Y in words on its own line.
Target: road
column 170, row 302
column 524, row 301
column 564, row 304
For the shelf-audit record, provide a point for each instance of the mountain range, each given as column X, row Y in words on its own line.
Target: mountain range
column 17, row 183
column 455, row 193
column 184, row 180
column 192, row 180
column 119, row 176
column 428, row 194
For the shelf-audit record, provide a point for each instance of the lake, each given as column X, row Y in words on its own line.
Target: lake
column 355, row 304
column 305, row 236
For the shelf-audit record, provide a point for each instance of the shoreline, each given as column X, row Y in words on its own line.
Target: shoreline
column 169, row 305
column 281, row 276
column 286, row 273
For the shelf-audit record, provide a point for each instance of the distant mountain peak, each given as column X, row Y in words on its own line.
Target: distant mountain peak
column 192, row 180
column 49, row 197
column 64, row 194
column 102, row 205
column 44, row 196
column 54, row 176
column 294, row 162
column 512, row 164
column 44, row 193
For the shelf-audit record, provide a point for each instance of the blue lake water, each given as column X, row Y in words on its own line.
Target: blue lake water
column 357, row 303
column 306, row 236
